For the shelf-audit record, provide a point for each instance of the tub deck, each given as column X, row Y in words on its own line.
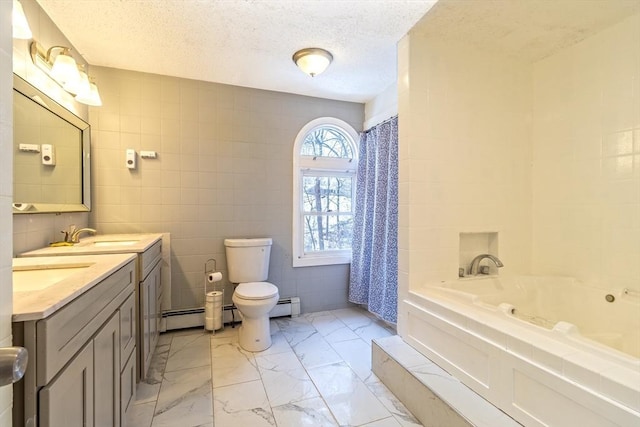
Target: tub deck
column 536, row 375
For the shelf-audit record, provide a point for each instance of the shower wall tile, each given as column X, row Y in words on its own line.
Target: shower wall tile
column 465, row 156
column 586, row 173
column 224, row 169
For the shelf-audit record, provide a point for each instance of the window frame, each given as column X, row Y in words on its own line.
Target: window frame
column 324, row 166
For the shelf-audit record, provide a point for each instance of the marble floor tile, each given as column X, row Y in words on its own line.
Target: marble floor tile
column 391, row 402
column 284, row 379
column 314, row 351
column 148, row 389
column 352, row 352
column 296, row 329
column 232, row 365
column 353, row 317
column 373, row 329
column 305, row 413
column 387, row 422
column 141, row 415
column 347, row 397
column 185, row 399
column 243, row 404
column 226, row 334
column 317, row 372
column 189, row 351
column 279, row 344
column 330, row 327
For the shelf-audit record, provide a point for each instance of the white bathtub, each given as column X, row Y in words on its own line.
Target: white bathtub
column 546, row 350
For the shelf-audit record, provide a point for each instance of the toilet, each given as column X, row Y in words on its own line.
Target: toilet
column 248, row 267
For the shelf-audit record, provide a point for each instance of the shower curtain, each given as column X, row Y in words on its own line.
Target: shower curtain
column 374, row 266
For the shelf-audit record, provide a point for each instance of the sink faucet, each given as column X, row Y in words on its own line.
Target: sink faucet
column 75, row 235
column 475, row 264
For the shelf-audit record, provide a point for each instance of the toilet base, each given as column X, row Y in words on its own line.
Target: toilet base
column 255, row 334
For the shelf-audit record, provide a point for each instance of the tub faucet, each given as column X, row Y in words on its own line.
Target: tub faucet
column 75, row 236
column 475, row 264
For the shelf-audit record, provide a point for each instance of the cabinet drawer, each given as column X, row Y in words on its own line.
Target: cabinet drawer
column 127, row 388
column 149, row 258
column 127, row 327
column 62, row 335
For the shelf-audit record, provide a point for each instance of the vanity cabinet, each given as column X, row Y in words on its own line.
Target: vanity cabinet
column 76, row 364
column 149, row 305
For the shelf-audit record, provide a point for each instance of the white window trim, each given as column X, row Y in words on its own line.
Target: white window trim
column 300, row 164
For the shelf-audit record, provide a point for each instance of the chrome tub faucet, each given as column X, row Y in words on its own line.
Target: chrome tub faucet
column 475, row 264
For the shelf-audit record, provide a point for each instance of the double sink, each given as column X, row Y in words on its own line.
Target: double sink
column 43, row 281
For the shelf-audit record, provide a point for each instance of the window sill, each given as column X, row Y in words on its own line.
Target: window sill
column 313, row 261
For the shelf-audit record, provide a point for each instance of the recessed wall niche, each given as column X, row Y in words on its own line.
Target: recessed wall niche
column 474, row 244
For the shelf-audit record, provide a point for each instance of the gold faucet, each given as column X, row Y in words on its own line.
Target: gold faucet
column 75, row 235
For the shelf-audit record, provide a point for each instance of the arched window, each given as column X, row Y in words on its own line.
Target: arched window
column 324, row 173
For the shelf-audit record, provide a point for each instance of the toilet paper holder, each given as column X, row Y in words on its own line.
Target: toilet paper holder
column 213, row 300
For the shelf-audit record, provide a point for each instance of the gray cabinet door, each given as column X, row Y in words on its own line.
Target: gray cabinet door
column 127, row 388
column 67, row 401
column 150, row 311
column 127, row 328
column 106, row 356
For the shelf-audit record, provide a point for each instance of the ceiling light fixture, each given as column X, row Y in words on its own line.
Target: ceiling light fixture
column 19, row 22
column 312, row 60
column 64, row 70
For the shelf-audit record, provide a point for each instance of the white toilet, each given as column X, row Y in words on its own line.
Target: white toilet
column 248, row 266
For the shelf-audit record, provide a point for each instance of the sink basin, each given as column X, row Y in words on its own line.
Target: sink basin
column 38, row 277
column 115, row 242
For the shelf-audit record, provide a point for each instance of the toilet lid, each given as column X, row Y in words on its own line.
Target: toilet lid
column 256, row 290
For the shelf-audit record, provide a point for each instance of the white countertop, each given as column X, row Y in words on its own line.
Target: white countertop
column 87, row 246
column 33, row 302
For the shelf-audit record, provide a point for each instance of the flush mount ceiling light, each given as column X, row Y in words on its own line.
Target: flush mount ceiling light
column 19, row 22
column 312, row 60
column 58, row 64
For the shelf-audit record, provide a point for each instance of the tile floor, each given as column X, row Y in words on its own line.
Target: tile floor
column 316, row 373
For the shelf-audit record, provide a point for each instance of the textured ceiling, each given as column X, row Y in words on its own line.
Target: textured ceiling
column 245, row 42
column 526, row 29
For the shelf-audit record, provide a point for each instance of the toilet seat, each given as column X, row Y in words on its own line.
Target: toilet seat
column 256, row 290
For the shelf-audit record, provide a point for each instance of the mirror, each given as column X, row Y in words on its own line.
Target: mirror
column 51, row 148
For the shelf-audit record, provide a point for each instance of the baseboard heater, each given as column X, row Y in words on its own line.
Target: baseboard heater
column 194, row 317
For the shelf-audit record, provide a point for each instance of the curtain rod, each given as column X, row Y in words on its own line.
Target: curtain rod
column 381, row 123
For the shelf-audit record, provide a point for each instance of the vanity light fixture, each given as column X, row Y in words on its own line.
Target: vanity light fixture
column 19, row 22
column 312, row 60
column 58, row 64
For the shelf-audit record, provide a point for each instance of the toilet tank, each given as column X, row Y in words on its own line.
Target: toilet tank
column 248, row 259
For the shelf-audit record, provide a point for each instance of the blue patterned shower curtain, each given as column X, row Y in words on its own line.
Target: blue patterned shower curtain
column 374, row 266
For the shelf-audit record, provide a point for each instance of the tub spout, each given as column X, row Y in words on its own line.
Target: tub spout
column 475, row 264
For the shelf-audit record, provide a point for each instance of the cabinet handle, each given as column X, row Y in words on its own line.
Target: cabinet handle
column 13, row 364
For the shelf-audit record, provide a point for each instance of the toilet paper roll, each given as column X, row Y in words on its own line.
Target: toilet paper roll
column 213, row 310
column 214, row 277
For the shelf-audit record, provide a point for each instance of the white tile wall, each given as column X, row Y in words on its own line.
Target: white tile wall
column 224, row 169
column 6, row 168
column 464, row 158
column 586, row 151
column 546, row 154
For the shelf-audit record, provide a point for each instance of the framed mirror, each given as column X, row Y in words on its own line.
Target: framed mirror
column 51, row 154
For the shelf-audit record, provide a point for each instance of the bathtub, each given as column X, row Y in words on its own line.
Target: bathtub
column 548, row 351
